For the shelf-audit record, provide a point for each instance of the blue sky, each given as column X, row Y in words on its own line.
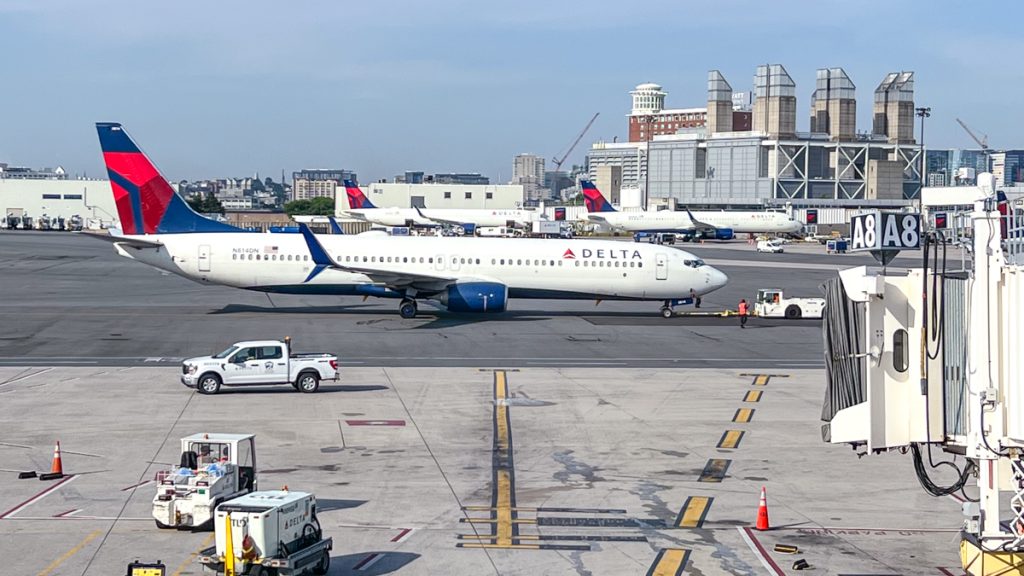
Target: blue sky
column 230, row 88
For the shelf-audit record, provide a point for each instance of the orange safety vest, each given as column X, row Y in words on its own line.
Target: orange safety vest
column 743, row 308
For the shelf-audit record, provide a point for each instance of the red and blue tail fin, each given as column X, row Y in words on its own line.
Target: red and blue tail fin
column 593, row 198
column 356, row 198
column 146, row 203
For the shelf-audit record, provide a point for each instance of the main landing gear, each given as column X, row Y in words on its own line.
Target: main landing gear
column 408, row 308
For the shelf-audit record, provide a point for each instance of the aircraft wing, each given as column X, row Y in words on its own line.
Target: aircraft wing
column 390, row 278
column 698, row 225
column 125, row 240
column 440, row 220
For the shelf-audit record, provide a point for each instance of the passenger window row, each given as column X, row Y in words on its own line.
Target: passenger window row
column 617, row 264
column 272, row 257
column 461, row 261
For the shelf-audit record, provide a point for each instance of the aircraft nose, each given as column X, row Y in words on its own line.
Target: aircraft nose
column 716, row 279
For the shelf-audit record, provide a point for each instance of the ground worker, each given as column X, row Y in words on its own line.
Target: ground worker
column 743, row 310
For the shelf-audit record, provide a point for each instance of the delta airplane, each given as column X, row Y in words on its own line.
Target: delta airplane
column 721, row 222
column 362, row 208
column 462, row 274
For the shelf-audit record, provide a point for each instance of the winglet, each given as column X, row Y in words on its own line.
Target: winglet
column 316, row 252
column 335, row 228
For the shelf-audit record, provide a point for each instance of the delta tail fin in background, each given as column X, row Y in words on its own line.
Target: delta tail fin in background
column 594, row 200
column 356, row 199
column 146, row 203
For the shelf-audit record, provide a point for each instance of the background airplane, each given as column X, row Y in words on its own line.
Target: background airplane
column 721, row 223
column 461, row 274
column 361, row 207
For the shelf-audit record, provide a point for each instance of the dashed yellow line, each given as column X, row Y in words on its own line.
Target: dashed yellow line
column 761, row 380
column 753, row 396
column 191, row 558
column 63, row 558
column 694, row 511
column 743, row 415
column 714, row 470
column 731, row 439
column 505, row 546
column 669, row 562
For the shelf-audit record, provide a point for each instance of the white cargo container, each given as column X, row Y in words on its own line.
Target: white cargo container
column 272, row 532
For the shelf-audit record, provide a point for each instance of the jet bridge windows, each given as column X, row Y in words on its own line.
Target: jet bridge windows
column 900, row 351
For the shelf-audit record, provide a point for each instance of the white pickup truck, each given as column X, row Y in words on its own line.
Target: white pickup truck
column 259, row 363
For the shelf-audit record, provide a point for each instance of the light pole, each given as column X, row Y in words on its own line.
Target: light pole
column 922, row 113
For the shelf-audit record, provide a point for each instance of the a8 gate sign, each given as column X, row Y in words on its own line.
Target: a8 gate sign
column 885, row 231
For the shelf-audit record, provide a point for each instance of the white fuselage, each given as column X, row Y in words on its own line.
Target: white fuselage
column 530, row 268
column 745, row 222
column 390, row 216
column 437, row 216
column 482, row 217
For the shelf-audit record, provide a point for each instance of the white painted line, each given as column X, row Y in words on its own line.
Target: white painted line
column 27, row 376
column 16, row 445
column 77, row 517
column 758, row 551
column 576, row 363
column 10, row 513
column 33, row 363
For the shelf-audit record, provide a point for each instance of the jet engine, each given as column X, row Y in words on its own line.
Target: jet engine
column 475, row 296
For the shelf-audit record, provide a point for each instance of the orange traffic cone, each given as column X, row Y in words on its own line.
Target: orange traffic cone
column 57, row 467
column 762, row 511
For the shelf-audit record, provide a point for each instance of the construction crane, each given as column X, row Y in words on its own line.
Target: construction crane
column 559, row 161
column 983, row 141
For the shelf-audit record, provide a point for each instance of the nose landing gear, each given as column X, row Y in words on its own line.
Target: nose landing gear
column 667, row 311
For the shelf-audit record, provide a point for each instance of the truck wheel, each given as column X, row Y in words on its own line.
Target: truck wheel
column 208, row 384
column 308, row 382
column 162, row 526
column 793, row 311
column 323, row 565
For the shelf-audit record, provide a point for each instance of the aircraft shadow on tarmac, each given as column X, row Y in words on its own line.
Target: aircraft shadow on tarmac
column 391, row 562
column 324, row 389
column 436, row 319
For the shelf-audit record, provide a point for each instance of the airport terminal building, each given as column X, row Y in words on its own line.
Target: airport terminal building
column 719, row 164
column 91, row 200
column 403, row 195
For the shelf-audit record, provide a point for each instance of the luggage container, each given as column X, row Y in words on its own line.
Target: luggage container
column 268, row 533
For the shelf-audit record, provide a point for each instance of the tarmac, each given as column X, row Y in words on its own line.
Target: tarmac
column 559, row 438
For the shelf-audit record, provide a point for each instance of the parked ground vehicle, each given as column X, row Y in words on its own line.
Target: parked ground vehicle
column 658, row 237
column 772, row 246
column 838, row 246
column 264, row 533
column 498, row 232
column 772, row 303
column 259, row 363
column 213, row 468
column 546, row 228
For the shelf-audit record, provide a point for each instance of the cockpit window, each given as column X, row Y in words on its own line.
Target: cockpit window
column 694, row 263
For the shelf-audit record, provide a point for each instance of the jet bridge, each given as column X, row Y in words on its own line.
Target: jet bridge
column 932, row 359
